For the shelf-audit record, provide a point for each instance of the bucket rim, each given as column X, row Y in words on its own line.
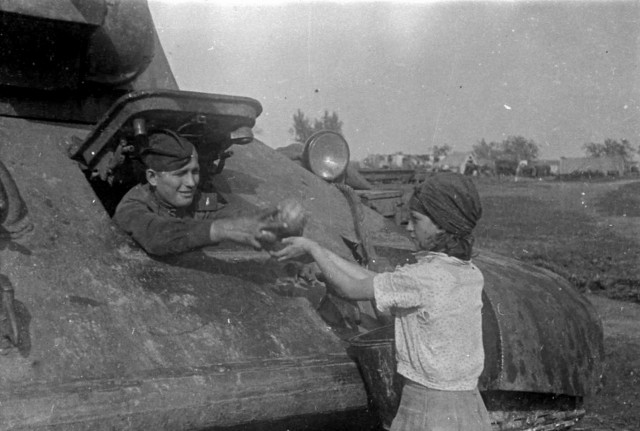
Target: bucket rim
column 369, row 339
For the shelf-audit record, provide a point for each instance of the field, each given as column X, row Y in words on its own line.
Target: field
column 588, row 232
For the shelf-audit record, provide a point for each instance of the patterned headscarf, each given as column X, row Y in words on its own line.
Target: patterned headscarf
column 451, row 201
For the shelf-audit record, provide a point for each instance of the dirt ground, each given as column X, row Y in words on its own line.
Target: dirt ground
column 617, row 405
column 589, row 232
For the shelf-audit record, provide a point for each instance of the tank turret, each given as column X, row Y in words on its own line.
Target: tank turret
column 58, row 45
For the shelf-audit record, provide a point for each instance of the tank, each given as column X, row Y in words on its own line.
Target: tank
column 95, row 334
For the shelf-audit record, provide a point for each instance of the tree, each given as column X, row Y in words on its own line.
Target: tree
column 329, row 122
column 610, row 147
column 518, row 148
column 514, row 148
column 440, row 152
column 482, row 150
column 302, row 128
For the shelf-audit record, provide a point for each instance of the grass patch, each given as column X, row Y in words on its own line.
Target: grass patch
column 623, row 202
column 559, row 226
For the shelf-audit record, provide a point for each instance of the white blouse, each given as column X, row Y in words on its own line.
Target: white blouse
column 437, row 306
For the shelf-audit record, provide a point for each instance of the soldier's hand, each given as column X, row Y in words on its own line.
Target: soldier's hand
column 287, row 219
column 251, row 230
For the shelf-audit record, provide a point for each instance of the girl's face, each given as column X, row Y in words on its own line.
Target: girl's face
column 423, row 230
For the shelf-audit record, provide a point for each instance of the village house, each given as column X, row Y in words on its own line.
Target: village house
column 396, row 161
column 455, row 161
column 607, row 165
column 553, row 165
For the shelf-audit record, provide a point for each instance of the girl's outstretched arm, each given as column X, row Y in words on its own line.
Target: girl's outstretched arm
column 350, row 279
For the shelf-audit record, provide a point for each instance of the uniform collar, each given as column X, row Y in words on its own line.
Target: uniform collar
column 166, row 209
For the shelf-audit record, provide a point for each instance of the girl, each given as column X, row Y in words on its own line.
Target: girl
column 436, row 304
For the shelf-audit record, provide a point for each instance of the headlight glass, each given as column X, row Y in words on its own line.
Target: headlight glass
column 326, row 154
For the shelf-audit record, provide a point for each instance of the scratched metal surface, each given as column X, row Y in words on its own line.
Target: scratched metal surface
column 546, row 336
column 102, row 321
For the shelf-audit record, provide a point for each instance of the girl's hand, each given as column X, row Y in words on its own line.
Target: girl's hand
column 253, row 230
column 294, row 246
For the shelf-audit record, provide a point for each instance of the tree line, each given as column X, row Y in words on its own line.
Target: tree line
column 513, row 148
column 304, row 127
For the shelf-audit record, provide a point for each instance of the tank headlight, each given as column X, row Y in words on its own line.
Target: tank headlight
column 326, row 154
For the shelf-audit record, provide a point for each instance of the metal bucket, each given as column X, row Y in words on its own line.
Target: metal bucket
column 375, row 353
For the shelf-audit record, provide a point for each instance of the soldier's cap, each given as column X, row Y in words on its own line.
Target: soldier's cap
column 167, row 151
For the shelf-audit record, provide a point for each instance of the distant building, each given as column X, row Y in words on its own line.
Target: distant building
column 455, row 161
column 377, row 161
column 396, row 161
column 554, row 165
column 414, row 161
column 605, row 165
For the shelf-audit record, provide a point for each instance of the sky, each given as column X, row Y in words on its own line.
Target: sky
column 405, row 76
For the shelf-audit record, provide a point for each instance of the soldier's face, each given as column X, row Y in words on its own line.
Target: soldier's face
column 176, row 188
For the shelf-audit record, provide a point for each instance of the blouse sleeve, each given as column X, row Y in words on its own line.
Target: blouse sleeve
column 417, row 285
column 396, row 289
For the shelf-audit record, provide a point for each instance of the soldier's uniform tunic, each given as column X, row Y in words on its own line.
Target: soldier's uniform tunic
column 161, row 229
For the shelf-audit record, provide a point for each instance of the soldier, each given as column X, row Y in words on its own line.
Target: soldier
column 161, row 214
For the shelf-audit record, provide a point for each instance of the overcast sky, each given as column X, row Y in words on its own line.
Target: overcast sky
column 405, row 76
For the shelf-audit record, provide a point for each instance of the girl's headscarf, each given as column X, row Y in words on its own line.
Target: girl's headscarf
column 452, row 202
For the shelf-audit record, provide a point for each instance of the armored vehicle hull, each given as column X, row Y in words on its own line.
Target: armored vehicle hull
column 97, row 334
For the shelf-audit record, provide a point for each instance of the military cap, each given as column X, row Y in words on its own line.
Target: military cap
column 166, row 151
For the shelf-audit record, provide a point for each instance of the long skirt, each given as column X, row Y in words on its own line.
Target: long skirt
column 426, row 409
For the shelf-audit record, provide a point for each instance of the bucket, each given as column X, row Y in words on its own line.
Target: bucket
column 375, row 353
